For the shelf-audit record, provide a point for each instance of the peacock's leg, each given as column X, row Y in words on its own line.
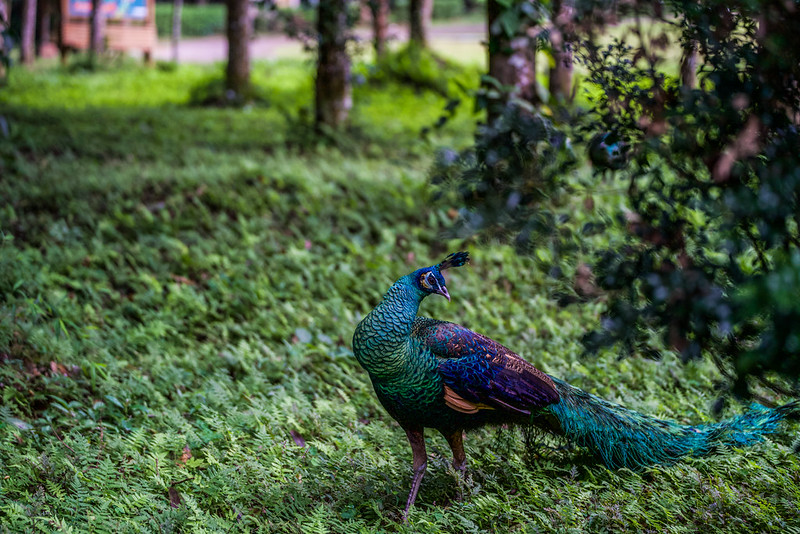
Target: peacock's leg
column 416, row 438
column 456, row 441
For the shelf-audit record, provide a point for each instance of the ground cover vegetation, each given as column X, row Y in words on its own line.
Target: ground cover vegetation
column 179, row 289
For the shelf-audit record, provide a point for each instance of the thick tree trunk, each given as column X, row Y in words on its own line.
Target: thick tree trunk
column 561, row 73
column 379, row 11
column 96, row 31
column 237, row 75
column 512, row 61
column 27, row 45
column 419, row 20
column 333, row 96
column 177, row 10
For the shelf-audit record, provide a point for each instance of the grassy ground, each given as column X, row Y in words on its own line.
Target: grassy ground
column 179, row 289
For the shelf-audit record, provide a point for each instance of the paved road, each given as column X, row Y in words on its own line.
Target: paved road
column 458, row 41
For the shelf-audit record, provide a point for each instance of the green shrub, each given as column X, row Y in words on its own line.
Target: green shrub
column 196, row 20
column 442, row 9
column 422, row 69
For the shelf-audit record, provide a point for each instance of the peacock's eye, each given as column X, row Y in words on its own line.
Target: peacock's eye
column 427, row 281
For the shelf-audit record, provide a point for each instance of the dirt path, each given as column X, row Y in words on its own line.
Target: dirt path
column 456, row 40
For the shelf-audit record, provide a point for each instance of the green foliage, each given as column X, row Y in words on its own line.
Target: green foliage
column 178, row 291
column 713, row 187
column 710, row 217
column 512, row 180
column 422, row 69
column 196, row 20
column 442, row 9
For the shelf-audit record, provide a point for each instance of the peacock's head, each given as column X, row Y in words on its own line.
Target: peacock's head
column 430, row 280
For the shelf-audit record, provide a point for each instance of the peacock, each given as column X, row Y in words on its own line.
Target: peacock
column 436, row 374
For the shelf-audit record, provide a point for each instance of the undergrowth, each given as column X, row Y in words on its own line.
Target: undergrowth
column 179, row 291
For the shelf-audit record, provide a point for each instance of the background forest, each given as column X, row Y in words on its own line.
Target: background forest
column 185, row 250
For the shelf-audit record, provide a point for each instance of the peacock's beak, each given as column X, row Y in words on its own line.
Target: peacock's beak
column 443, row 292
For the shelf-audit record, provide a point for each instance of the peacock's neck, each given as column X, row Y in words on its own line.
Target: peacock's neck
column 380, row 342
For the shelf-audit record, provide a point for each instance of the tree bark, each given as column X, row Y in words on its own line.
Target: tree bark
column 177, row 10
column 96, row 27
column 379, row 10
column 419, row 20
column 333, row 97
column 43, row 19
column 512, row 61
column 561, row 72
column 5, row 17
column 237, row 74
column 689, row 65
column 27, row 45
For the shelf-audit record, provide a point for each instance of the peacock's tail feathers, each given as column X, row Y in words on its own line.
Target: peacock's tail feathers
column 625, row 438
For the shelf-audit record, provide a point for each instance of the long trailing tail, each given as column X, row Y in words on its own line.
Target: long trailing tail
column 625, row 438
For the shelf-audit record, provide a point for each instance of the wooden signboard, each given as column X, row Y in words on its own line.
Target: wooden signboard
column 129, row 25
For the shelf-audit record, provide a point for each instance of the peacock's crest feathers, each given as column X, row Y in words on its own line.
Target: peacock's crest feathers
column 456, row 259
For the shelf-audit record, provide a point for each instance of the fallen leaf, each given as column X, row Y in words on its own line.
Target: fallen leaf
column 187, row 454
column 174, row 497
column 298, row 439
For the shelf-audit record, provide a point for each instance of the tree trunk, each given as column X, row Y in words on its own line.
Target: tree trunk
column 27, row 45
column 96, row 27
column 237, row 75
column 5, row 17
column 44, row 18
column 561, row 73
column 512, row 61
column 689, row 65
column 177, row 9
column 419, row 20
column 379, row 10
column 333, row 96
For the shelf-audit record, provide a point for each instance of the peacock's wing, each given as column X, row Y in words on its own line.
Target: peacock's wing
column 479, row 373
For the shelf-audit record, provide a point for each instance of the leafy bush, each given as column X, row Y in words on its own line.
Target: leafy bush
column 442, row 9
column 421, row 68
column 712, row 188
column 196, row 20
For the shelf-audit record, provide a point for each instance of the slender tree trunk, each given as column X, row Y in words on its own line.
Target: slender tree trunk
column 177, row 10
column 5, row 17
column 333, row 96
column 96, row 31
column 419, row 20
column 27, row 45
column 689, row 65
column 561, row 73
column 512, row 61
column 43, row 19
column 237, row 75
column 379, row 10
column 470, row 5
